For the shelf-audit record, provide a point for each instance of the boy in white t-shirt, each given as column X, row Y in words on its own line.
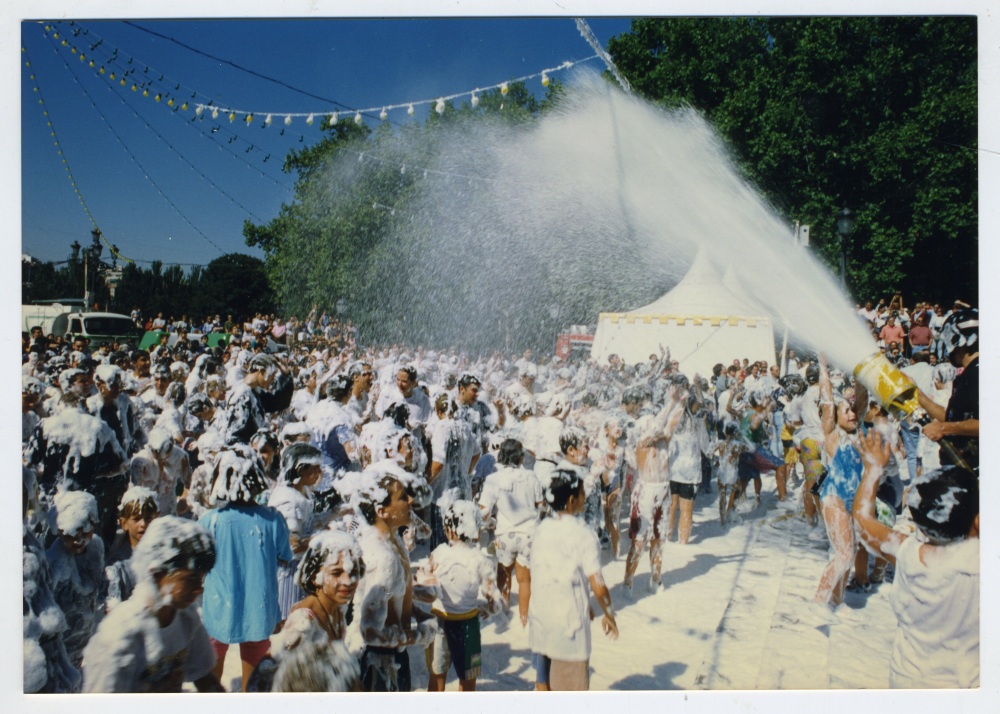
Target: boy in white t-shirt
column 463, row 579
column 517, row 496
column 566, row 555
column 155, row 641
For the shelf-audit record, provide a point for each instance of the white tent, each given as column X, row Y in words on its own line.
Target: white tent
column 701, row 321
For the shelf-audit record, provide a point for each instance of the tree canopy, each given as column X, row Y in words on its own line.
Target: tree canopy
column 876, row 114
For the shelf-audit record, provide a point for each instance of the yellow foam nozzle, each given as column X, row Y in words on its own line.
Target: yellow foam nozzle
column 884, row 381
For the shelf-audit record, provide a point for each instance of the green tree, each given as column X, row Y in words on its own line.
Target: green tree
column 878, row 114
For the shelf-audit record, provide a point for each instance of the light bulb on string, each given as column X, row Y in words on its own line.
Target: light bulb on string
column 309, row 120
column 249, row 119
column 475, row 100
column 383, row 114
column 439, row 107
column 545, row 79
column 334, row 118
column 358, row 118
column 145, row 92
column 410, row 110
column 184, row 107
column 157, row 97
column 267, row 120
column 288, row 120
column 232, row 116
column 170, row 102
column 197, row 110
column 504, row 89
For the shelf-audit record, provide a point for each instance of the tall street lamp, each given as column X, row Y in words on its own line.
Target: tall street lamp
column 845, row 225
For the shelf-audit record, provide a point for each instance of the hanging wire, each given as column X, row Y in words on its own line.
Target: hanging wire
column 72, row 180
column 171, row 147
column 132, row 156
column 254, row 73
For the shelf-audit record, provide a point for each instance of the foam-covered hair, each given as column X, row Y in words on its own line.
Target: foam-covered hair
column 160, row 442
column 572, row 436
column 238, row 476
column 463, row 517
column 172, row 543
column 324, row 547
column 944, row 503
column 76, row 512
column 67, row 376
column 294, row 457
column 136, row 498
column 109, row 374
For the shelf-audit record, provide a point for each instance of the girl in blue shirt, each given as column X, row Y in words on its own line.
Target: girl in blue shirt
column 240, row 604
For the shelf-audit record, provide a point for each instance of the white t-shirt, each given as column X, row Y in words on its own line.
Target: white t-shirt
column 461, row 569
column 514, row 492
column 564, row 554
column 295, row 507
column 937, row 606
column 131, row 652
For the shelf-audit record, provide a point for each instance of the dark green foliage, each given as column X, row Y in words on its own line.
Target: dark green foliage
column 876, row 114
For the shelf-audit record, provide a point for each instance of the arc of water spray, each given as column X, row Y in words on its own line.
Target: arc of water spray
column 588, row 35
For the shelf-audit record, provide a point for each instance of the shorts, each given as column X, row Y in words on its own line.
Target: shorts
column 812, row 465
column 250, row 652
column 683, row 490
column 511, row 547
column 385, row 669
column 457, row 642
column 765, row 460
column 647, row 509
column 542, row 665
column 746, row 467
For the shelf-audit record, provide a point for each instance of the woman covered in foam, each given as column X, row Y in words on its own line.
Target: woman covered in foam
column 310, row 651
column 935, row 594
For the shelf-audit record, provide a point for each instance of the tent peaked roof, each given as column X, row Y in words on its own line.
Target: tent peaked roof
column 700, row 293
column 734, row 285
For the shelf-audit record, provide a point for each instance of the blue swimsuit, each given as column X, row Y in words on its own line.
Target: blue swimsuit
column 843, row 474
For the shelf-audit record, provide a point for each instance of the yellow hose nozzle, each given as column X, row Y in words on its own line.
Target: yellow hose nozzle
column 883, row 380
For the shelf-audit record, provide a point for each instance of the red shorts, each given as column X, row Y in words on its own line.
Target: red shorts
column 250, row 652
column 635, row 520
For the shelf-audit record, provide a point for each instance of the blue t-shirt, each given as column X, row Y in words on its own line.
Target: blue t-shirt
column 240, row 603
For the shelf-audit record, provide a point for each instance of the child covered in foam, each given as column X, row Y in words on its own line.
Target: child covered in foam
column 154, row 641
column 76, row 560
column 463, row 579
column 935, row 593
column 565, row 559
column 136, row 511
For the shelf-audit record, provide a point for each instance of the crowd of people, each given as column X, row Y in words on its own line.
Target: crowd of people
column 327, row 505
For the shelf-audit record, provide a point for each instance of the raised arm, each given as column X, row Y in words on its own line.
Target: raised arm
column 877, row 537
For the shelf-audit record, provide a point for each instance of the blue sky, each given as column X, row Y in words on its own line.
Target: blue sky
column 164, row 187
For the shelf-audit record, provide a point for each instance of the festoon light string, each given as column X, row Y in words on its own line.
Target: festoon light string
column 145, row 83
column 135, row 160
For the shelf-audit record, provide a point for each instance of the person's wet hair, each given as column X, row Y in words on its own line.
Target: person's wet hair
column 563, row 484
column 944, row 503
column 511, row 453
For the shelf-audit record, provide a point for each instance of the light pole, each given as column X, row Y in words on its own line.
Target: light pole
column 845, row 224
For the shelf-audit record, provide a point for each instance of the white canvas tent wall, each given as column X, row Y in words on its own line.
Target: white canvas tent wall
column 700, row 320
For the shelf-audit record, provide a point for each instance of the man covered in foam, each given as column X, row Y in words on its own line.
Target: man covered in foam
column 386, row 621
column 935, row 594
